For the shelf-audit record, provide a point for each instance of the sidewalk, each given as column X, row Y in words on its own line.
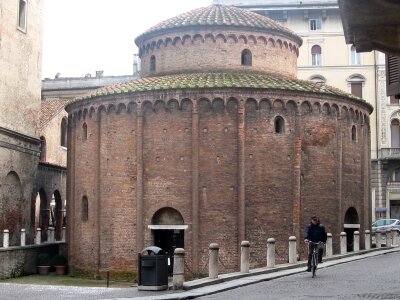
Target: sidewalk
column 206, row 286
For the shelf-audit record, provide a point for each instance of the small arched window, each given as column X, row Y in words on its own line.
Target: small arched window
column 353, row 133
column 63, row 141
column 318, row 79
column 84, row 131
column 279, row 125
column 356, row 83
column 43, row 149
column 316, row 55
column 85, row 209
column 246, row 58
column 152, row 64
column 395, row 133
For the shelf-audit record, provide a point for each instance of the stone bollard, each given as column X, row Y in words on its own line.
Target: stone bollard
column 367, row 236
column 292, row 250
column 378, row 239
column 178, row 277
column 52, row 236
column 356, row 241
column 38, row 236
column 6, row 238
column 388, row 238
column 270, row 253
column 343, row 243
column 213, row 260
column 395, row 234
column 329, row 248
column 23, row 235
column 64, row 234
column 245, row 257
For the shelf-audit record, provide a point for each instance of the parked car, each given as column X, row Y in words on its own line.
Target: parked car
column 382, row 225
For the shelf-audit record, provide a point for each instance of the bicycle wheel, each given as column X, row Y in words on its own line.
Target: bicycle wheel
column 314, row 265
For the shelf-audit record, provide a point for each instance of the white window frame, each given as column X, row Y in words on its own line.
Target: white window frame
column 317, row 58
column 355, row 58
column 315, row 24
column 23, row 10
column 356, row 78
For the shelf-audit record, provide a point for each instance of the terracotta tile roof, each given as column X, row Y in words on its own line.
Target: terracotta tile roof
column 218, row 80
column 50, row 108
column 219, row 15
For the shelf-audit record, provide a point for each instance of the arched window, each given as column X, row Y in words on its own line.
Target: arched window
column 279, row 125
column 246, row 57
column 355, row 58
column 395, row 133
column 353, row 133
column 356, row 83
column 152, row 63
column 85, row 209
column 318, row 79
column 63, row 141
column 316, row 55
column 42, row 148
column 84, row 131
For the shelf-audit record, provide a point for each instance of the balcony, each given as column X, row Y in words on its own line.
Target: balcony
column 389, row 153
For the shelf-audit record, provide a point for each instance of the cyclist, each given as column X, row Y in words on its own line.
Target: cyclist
column 315, row 232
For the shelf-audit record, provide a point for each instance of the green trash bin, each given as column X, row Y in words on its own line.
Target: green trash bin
column 153, row 269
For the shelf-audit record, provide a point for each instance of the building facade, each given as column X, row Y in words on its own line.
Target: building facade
column 325, row 57
column 20, row 62
column 218, row 142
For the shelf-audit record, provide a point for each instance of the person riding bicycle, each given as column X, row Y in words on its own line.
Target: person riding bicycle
column 315, row 232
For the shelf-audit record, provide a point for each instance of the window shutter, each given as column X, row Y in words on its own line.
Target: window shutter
column 392, row 75
column 356, row 89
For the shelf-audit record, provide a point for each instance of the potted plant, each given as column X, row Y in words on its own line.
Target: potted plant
column 60, row 264
column 43, row 263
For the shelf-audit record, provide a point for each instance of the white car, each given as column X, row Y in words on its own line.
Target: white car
column 382, row 225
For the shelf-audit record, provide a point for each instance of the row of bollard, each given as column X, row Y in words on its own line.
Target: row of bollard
column 38, row 238
column 179, row 254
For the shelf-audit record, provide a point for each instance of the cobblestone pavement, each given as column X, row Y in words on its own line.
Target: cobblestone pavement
column 371, row 278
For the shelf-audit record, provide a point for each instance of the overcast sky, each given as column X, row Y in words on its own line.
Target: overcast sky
column 84, row 36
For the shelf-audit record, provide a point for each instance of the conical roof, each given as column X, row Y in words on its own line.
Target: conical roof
column 218, row 16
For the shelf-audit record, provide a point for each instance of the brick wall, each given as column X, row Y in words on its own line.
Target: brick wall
column 106, row 168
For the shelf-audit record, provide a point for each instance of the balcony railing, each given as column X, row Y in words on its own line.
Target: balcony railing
column 389, row 153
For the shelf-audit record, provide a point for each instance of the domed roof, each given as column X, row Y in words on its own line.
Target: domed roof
column 210, row 80
column 219, row 16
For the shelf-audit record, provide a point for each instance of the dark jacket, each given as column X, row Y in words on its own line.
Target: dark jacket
column 315, row 233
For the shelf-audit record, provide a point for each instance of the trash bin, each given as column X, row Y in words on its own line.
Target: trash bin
column 153, row 269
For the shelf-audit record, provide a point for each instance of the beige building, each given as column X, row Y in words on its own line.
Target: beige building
column 325, row 57
column 20, row 62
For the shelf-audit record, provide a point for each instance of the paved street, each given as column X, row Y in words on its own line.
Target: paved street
column 372, row 278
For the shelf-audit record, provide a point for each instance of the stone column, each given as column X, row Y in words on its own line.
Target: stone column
column 38, row 236
column 270, row 253
column 292, row 250
column 378, row 239
column 356, row 241
column 388, row 238
column 395, row 239
column 329, row 248
column 367, row 236
column 245, row 257
column 213, row 260
column 23, row 236
column 64, row 233
column 178, row 277
column 6, row 238
column 343, row 243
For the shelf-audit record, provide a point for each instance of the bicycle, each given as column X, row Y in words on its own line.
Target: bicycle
column 314, row 257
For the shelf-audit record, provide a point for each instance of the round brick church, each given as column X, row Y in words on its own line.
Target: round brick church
column 218, row 142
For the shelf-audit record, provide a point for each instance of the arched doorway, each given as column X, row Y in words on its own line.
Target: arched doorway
column 351, row 224
column 168, row 231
